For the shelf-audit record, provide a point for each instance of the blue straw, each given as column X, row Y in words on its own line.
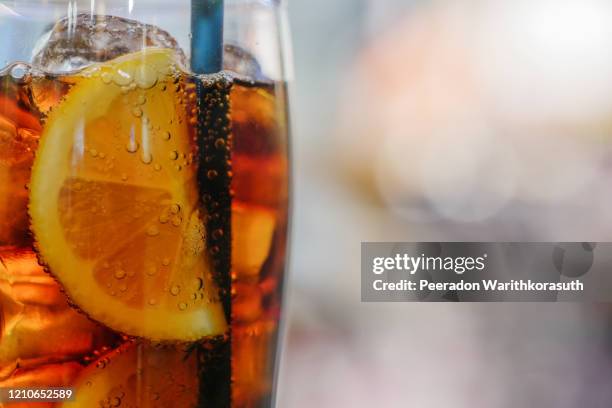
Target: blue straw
column 207, row 36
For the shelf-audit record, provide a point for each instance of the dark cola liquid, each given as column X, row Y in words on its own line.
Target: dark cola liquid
column 243, row 172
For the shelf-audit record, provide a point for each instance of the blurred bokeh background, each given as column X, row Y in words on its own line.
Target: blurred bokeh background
column 445, row 120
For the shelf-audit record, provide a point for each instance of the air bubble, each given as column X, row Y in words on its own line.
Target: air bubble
column 146, row 78
column 146, row 158
column 163, row 219
column 153, row 231
column 121, row 78
column 124, row 177
column 120, row 274
column 220, row 143
column 137, row 112
column 182, row 306
column 175, row 208
column 141, row 100
column 20, row 71
column 176, row 221
column 107, row 78
column 151, row 270
column 157, row 167
column 152, row 302
column 167, row 136
column 93, row 152
column 173, row 155
column 166, row 261
column 123, row 288
column 211, row 174
column 115, row 402
column 132, row 146
column 218, row 233
column 200, row 283
column 175, row 290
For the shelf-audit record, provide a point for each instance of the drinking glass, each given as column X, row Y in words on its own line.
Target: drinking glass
column 143, row 203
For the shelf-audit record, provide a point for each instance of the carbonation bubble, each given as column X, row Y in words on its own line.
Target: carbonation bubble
column 153, row 231
column 167, row 136
column 182, row 306
column 137, row 112
column 166, row 261
column 123, row 288
column 124, row 177
column 151, row 270
column 152, row 302
column 107, row 78
column 211, row 174
column 173, row 155
column 93, row 152
column 146, row 158
column 175, row 208
column 176, row 221
column 146, row 77
column 220, row 143
column 218, row 233
column 115, row 402
column 120, row 274
column 141, row 100
column 19, row 71
column 132, row 146
column 157, row 167
column 175, row 290
column 163, row 219
column 121, row 78
column 200, row 283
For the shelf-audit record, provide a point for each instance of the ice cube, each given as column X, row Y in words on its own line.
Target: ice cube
column 242, row 62
column 38, row 328
column 74, row 43
column 252, row 233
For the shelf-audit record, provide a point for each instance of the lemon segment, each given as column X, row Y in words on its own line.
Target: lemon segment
column 139, row 375
column 114, row 201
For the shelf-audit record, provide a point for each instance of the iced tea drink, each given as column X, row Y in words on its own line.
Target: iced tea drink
column 143, row 229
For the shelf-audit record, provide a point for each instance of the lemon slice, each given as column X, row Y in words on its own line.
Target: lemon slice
column 114, row 201
column 139, row 375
